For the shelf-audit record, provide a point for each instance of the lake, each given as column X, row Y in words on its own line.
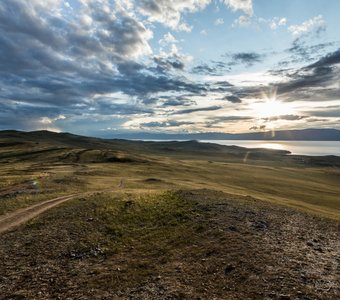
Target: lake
column 315, row 148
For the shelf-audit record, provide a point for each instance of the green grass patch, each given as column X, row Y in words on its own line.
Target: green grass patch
column 151, row 223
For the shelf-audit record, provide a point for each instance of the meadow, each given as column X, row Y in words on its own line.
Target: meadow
column 167, row 219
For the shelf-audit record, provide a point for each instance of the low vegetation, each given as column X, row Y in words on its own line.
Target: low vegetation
column 167, row 220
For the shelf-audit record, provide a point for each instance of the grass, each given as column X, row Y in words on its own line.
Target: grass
column 171, row 220
column 76, row 164
column 175, row 245
column 132, row 233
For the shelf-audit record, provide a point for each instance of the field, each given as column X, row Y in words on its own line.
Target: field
column 167, row 220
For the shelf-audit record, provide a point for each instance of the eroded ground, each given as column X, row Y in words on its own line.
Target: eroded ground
column 189, row 244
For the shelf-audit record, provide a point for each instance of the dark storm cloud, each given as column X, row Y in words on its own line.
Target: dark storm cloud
column 314, row 82
column 21, row 115
column 169, row 123
column 218, row 68
column 165, row 101
column 107, row 107
column 244, row 58
column 165, row 64
column 214, row 68
column 330, row 112
column 191, row 110
column 328, row 60
column 232, row 99
column 284, row 117
column 301, row 51
column 179, row 101
column 230, row 118
column 47, row 61
column 213, row 122
column 204, row 69
column 129, row 67
column 220, row 87
column 261, row 127
column 319, row 74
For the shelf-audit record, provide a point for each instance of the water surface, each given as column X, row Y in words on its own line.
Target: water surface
column 314, row 148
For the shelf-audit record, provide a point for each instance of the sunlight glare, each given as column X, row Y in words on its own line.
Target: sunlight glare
column 271, row 107
column 275, row 146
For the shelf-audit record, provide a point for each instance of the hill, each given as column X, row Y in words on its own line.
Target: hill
column 283, row 135
column 164, row 220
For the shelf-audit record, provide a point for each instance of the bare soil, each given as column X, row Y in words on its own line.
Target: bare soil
column 13, row 219
column 225, row 247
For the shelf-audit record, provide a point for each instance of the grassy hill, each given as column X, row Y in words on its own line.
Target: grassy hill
column 167, row 220
column 64, row 162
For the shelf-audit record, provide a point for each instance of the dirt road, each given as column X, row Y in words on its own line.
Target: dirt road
column 11, row 220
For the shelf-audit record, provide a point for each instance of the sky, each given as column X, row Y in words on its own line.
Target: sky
column 105, row 67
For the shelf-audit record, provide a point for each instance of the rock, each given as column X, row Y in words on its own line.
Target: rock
column 318, row 249
column 261, row 225
column 232, row 228
column 284, row 297
column 229, row 268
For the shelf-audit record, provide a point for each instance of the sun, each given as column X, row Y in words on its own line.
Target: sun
column 271, row 107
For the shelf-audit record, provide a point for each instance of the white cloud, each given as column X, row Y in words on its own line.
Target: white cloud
column 170, row 13
column 276, row 22
column 184, row 27
column 317, row 23
column 282, row 22
column 203, row 32
column 242, row 21
column 244, row 5
column 47, row 120
column 219, row 21
column 121, row 35
column 173, row 60
column 167, row 39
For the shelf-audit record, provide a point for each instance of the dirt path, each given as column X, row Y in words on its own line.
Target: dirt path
column 13, row 219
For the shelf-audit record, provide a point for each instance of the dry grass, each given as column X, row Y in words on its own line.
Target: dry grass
column 173, row 245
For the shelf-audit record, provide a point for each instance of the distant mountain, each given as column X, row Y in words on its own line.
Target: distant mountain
column 283, row 135
column 280, row 135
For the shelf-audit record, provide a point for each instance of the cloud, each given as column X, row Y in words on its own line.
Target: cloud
column 191, row 110
column 168, row 123
column 243, row 5
column 284, row 117
column 246, row 58
column 215, row 68
column 329, row 60
column 232, row 99
column 172, row 60
column 219, row 21
column 219, row 67
column 242, row 21
column 179, row 101
column 230, row 118
column 258, row 22
column 261, row 127
column 89, row 63
column 329, row 112
column 301, row 51
column 277, row 22
column 320, row 74
column 170, row 13
column 92, row 62
column 316, row 24
column 167, row 39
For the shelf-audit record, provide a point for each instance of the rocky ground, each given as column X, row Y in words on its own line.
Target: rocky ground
column 222, row 247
